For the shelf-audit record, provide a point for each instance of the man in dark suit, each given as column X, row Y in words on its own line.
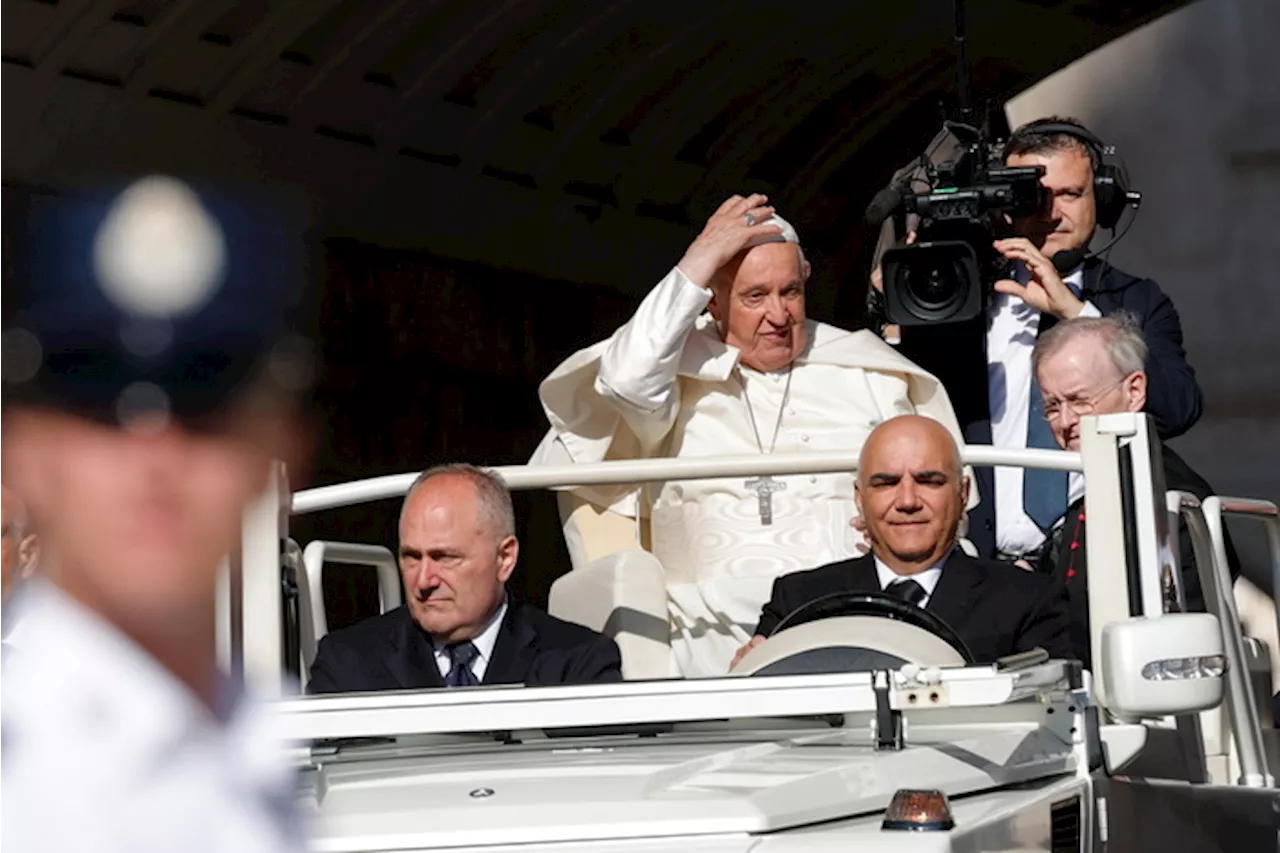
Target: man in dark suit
column 459, row 629
column 985, row 364
column 1094, row 366
column 910, row 491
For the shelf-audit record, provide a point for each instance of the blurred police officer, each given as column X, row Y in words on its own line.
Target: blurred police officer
column 148, row 377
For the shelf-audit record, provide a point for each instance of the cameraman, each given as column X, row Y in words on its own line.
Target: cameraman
column 985, row 364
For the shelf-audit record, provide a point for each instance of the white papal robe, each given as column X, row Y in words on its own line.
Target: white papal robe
column 666, row 385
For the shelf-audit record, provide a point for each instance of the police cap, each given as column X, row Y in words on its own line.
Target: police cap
column 164, row 300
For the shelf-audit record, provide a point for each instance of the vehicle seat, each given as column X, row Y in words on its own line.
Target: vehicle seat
column 615, row 586
column 1258, row 618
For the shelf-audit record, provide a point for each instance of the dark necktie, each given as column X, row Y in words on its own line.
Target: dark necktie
column 908, row 590
column 460, row 657
column 1044, row 493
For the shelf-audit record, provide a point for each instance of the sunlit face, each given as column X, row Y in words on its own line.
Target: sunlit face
column 1080, row 379
column 1073, row 216
column 134, row 524
column 910, row 492
column 759, row 303
column 454, row 564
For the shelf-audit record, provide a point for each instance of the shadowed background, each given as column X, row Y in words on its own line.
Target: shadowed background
column 492, row 185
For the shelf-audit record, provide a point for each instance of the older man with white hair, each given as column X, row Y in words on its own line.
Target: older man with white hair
column 1096, row 366
column 720, row 359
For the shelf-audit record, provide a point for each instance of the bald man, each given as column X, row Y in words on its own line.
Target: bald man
column 458, row 548
column 911, row 492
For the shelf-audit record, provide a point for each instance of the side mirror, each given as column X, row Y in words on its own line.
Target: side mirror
column 1165, row 666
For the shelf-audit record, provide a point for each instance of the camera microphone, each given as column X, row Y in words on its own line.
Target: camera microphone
column 1068, row 259
column 883, row 205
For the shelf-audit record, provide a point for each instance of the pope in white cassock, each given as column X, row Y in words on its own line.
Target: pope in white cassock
column 719, row 360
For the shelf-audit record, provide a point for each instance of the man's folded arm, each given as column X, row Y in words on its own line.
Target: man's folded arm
column 640, row 366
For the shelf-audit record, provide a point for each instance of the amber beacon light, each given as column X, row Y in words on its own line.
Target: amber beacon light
column 921, row 811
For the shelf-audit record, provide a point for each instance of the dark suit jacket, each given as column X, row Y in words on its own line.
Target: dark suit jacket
column 996, row 608
column 956, row 354
column 390, row 652
column 1070, row 566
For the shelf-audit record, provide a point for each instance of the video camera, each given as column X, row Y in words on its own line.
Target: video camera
column 943, row 277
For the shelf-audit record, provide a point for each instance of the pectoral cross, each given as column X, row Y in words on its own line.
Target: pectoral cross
column 764, row 488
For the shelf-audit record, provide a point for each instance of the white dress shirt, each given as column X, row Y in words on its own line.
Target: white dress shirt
column 928, row 579
column 1012, row 326
column 104, row 750
column 484, row 643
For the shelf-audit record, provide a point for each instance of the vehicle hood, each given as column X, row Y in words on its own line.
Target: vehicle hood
column 563, row 791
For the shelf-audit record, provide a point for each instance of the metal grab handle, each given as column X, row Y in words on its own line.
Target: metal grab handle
column 1257, row 510
column 311, row 586
column 1209, row 549
column 636, row 471
column 1268, row 513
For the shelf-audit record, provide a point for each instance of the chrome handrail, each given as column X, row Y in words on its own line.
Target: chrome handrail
column 636, row 471
column 1215, row 581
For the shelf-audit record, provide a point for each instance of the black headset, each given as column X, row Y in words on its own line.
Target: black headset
column 1111, row 193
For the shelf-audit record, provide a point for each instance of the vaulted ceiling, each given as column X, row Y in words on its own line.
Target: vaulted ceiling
column 577, row 139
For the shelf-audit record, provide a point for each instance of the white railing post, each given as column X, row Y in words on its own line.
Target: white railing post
column 1104, row 534
column 1136, row 532
column 266, row 525
column 1155, row 557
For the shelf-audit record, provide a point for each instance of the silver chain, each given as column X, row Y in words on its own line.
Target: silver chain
column 777, row 427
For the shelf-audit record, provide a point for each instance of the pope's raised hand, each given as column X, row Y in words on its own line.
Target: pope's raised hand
column 735, row 224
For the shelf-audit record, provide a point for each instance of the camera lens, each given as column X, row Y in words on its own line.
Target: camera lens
column 933, row 287
column 931, row 282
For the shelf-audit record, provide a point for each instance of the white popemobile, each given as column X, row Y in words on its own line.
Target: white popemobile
column 923, row 753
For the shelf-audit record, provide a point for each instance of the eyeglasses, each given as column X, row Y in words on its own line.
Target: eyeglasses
column 1080, row 408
